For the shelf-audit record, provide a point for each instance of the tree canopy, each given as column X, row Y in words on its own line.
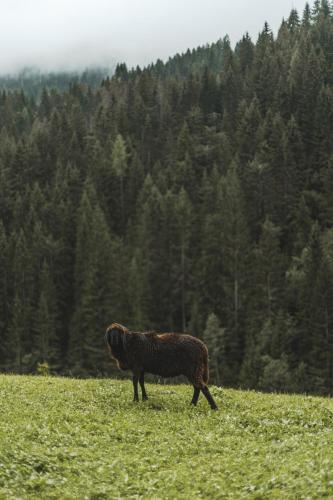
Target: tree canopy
column 194, row 194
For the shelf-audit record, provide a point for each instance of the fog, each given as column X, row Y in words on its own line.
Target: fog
column 73, row 34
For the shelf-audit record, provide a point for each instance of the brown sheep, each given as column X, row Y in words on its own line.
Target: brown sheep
column 163, row 354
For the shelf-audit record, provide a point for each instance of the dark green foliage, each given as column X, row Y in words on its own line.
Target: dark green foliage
column 199, row 185
column 3, row 291
column 33, row 81
column 214, row 338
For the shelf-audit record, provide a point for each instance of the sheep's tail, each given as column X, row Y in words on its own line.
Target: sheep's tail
column 205, row 364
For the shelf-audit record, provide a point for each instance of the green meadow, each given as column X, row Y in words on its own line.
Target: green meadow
column 86, row 439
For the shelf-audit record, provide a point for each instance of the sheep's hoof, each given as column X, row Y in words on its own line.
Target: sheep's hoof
column 144, row 398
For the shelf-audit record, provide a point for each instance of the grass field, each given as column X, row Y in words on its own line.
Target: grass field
column 65, row 438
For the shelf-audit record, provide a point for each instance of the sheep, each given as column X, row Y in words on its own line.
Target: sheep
column 163, row 354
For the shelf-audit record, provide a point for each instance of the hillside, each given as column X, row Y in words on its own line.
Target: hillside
column 193, row 195
column 86, row 439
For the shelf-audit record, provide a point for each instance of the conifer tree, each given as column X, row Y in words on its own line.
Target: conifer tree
column 119, row 166
column 156, row 218
column 235, row 248
column 214, row 339
column 96, row 293
column 18, row 338
column 314, row 306
column 183, row 221
column 4, row 299
column 293, row 21
column 45, row 341
column 306, row 20
column 270, row 269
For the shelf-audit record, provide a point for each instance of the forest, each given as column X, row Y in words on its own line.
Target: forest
column 194, row 195
column 33, row 80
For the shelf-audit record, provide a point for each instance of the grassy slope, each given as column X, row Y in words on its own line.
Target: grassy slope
column 63, row 438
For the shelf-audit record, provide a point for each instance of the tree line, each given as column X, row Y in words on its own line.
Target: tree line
column 191, row 195
column 33, row 81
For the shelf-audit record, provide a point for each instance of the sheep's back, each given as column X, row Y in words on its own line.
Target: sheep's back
column 171, row 354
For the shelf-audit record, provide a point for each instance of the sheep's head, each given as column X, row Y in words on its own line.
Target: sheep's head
column 116, row 335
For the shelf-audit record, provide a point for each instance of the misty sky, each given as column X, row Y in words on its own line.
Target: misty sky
column 71, row 34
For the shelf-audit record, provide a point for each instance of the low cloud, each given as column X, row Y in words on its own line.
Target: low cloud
column 62, row 34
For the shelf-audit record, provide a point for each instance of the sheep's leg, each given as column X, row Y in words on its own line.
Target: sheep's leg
column 142, row 385
column 209, row 397
column 196, row 394
column 135, row 386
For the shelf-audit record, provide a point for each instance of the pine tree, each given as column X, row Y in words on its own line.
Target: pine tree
column 244, row 51
column 16, row 334
column 214, row 339
column 138, row 292
column 323, row 138
column 183, row 222
column 18, row 338
column 315, row 12
column 264, row 70
column 247, row 135
column 46, row 346
column 95, row 286
column 310, row 282
column 155, row 229
column 209, row 267
column 271, row 269
column 293, row 21
column 306, row 20
column 4, row 299
column 119, row 166
column 275, row 177
column 235, row 248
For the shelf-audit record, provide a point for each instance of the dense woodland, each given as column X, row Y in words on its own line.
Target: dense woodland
column 33, row 81
column 192, row 195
